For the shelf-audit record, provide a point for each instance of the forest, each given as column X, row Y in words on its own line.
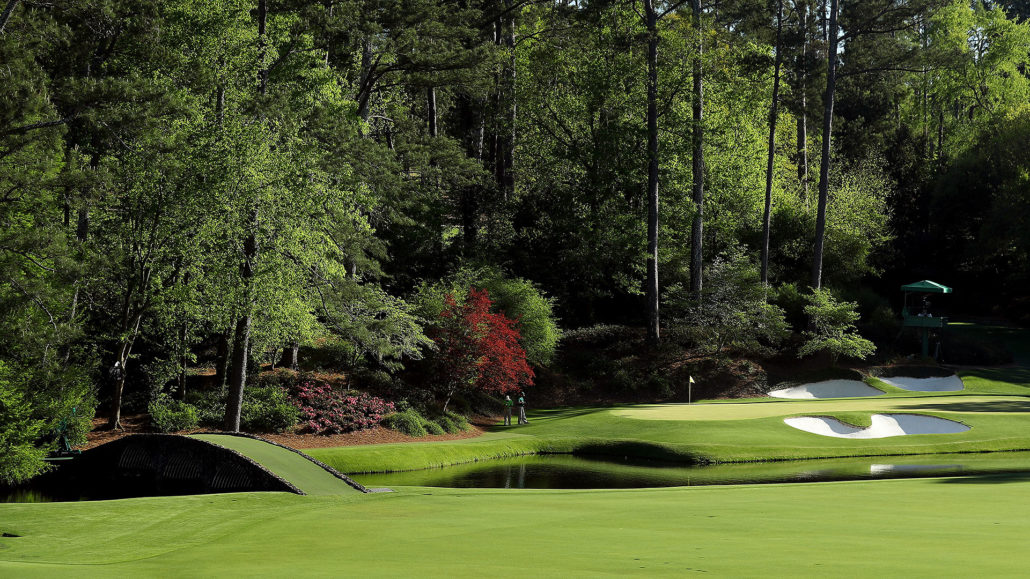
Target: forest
column 431, row 199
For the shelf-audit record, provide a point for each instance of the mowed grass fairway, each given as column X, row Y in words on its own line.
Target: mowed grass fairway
column 915, row 528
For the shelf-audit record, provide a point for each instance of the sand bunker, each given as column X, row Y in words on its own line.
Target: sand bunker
column 937, row 384
column 828, row 389
column 883, row 426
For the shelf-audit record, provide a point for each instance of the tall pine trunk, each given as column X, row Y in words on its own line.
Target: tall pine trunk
column 698, row 187
column 431, row 111
column 824, row 167
column 651, row 17
column 803, row 104
column 241, row 341
column 773, row 110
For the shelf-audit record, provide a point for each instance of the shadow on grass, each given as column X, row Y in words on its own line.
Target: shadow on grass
column 1011, row 375
column 988, row 406
column 989, row 479
column 557, row 413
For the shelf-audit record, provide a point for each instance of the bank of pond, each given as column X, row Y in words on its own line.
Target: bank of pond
column 563, row 471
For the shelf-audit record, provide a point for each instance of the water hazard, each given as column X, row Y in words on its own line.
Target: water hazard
column 574, row 472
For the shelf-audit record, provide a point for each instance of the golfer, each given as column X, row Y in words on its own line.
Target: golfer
column 507, row 410
column 522, row 408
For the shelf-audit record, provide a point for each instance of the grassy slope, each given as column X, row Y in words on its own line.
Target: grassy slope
column 301, row 472
column 928, row 527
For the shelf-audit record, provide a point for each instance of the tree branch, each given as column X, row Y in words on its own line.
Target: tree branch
column 11, row 4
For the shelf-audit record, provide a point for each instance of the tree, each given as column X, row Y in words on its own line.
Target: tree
column 478, row 350
column 833, row 329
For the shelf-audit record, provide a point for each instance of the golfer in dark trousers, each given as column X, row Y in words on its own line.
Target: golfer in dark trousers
column 522, row 408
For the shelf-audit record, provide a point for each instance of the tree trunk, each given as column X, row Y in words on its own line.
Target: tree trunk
column 365, row 84
column 238, row 378
column 474, row 129
column 653, row 334
column 803, row 105
column 431, row 111
column 8, row 10
column 824, row 167
column 262, row 46
column 773, row 110
column 183, row 361
column 290, row 356
column 698, row 189
column 241, row 344
column 506, row 140
column 222, row 361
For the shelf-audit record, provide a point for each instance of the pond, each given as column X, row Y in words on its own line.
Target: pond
column 577, row 472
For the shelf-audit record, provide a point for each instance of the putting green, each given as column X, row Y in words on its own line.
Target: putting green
column 288, row 465
column 911, row 528
column 1004, row 405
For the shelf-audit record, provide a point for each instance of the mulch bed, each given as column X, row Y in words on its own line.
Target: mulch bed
column 140, row 423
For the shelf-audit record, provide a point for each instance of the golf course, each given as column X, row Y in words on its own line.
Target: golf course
column 916, row 527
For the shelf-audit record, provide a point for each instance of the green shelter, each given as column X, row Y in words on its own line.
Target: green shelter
column 920, row 316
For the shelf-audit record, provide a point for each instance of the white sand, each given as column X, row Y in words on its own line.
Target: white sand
column 828, row 389
column 939, row 384
column 883, row 426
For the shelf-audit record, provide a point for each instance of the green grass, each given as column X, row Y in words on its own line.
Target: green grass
column 915, row 528
column 299, row 471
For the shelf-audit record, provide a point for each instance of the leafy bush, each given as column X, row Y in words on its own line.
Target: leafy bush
column 409, row 422
column 168, row 415
column 268, row 409
column 516, row 298
column 453, row 423
column 324, row 410
column 835, row 331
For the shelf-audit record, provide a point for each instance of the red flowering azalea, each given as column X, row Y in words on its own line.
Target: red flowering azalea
column 479, row 350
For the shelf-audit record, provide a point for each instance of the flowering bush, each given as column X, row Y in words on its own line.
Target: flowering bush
column 327, row 411
column 478, row 350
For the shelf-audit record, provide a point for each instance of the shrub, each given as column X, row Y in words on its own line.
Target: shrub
column 409, row 422
column 170, row 415
column 324, row 410
column 453, row 423
column 268, row 409
column 835, row 331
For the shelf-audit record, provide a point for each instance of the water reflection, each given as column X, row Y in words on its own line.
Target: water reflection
column 571, row 472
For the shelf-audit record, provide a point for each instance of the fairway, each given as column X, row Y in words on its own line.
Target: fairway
column 288, row 465
column 915, row 528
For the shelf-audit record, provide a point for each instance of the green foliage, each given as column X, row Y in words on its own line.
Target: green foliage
column 733, row 310
column 268, row 409
column 168, row 415
column 834, row 329
column 20, row 457
column 518, row 299
column 409, row 422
